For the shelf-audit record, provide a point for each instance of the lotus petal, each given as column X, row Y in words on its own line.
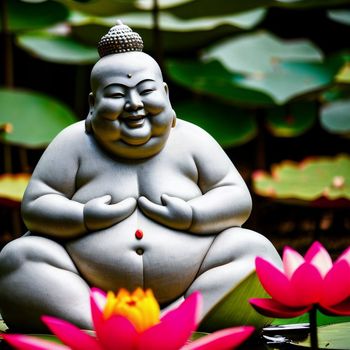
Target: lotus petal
column 225, row 339
column 345, row 256
column 318, row 256
column 291, row 261
column 117, row 330
column 341, row 309
column 337, row 288
column 308, row 284
column 71, row 335
column 97, row 302
column 272, row 308
column 275, row 283
column 175, row 327
column 26, row 342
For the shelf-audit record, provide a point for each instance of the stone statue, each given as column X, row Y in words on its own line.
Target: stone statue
column 130, row 197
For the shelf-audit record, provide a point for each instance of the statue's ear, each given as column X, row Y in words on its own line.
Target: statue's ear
column 166, row 88
column 88, row 126
column 174, row 120
column 91, row 101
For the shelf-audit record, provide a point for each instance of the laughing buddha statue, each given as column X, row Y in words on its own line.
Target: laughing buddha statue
column 129, row 197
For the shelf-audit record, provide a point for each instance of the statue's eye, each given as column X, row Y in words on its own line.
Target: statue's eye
column 116, row 95
column 146, row 91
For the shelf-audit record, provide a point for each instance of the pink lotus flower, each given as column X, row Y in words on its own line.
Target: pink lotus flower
column 133, row 322
column 305, row 283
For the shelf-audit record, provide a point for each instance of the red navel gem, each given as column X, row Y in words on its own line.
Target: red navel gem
column 138, row 234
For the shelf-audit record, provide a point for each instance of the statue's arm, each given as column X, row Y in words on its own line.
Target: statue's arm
column 47, row 206
column 225, row 201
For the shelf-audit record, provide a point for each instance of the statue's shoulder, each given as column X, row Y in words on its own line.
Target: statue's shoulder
column 73, row 137
column 72, row 133
column 187, row 130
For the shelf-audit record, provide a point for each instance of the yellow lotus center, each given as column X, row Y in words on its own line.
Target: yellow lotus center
column 139, row 307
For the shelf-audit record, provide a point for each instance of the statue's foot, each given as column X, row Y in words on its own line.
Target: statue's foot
column 37, row 277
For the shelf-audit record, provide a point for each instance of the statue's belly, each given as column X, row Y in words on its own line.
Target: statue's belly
column 164, row 259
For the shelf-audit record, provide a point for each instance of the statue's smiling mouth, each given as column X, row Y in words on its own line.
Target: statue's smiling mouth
column 134, row 120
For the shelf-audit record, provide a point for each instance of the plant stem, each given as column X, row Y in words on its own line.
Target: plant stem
column 313, row 328
column 157, row 38
column 7, row 45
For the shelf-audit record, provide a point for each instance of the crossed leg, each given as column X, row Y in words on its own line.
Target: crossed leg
column 38, row 278
column 229, row 260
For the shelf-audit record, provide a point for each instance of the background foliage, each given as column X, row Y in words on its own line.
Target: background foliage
column 269, row 79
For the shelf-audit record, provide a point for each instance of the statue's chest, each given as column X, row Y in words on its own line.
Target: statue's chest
column 150, row 178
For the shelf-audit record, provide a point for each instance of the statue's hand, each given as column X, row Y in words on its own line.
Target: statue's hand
column 100, row 214
column 175, row 212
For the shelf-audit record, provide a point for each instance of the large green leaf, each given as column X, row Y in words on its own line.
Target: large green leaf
column 335, row 117
column 101, row 7
column 34, row 118
column 316, row 180
column 57, row 48
column 177, row 34
column 213, row 79
column 234, row 309
column 201, row 8
column 344, row 74
column 289, row 80
column 228, row 125
column 12, row 187
column 3, row 327
column 341, row 16
column 24, row 16
column 280, row 69
column 335, row 93
column 260, row 52
column 322, row 319
column 335, row 336
column 292, row 120
column 309, row 3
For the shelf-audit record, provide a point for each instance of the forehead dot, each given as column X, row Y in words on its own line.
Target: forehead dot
column 129, row 75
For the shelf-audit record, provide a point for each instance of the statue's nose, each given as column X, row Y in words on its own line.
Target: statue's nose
column 133, row 101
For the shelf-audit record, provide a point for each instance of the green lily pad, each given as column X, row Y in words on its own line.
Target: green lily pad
column 280, row 69
column 234, row 308
column 228, row 125
column 57, row 48
column 316, row 181
column 343, row 75
column 177, row 34
column 335, row 93
column 24, row 16
column 32, row 119
column 3, row 327
column 335, row 117
column 335, row 336
column 214, row 80
column 309, row 3
column 292, row 120
column 12, row 187
column 290, row 80
column 261, row 52
column 101, row 7
column 340, row 16
column 201, row 8
column 322, row 319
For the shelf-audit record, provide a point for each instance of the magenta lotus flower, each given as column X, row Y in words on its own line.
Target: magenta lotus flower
column 132, row 322
column 305, row 283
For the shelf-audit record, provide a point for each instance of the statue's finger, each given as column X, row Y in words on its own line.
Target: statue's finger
column 105, row 199
column 152, row 208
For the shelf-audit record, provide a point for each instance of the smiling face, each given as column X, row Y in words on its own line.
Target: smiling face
column 131, row 115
